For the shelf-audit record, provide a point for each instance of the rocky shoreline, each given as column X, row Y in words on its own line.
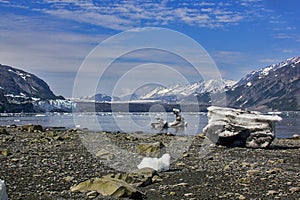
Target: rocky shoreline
column 38, row 163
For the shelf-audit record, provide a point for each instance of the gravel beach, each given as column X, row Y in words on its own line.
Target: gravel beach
column 44, row 164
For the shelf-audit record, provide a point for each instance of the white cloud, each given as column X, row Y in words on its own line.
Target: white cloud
column 123, row 15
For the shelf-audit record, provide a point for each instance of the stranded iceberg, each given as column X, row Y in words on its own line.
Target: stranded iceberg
column 235, row 127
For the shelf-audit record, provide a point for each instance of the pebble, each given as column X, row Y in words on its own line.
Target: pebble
column 181, row 164
column 253, row 172
column 274, row 171
column 227, row 168
column 172, row 193
column 156, row 179
column 188, row 194
column 294, row 189
column 92, row 194
column 272, row 192
column 68, row 178
column 245, row 164
column 5, row 152
column 181, row 185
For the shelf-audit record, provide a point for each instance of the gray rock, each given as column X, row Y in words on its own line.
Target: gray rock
column 294, row 189
column 235, row 127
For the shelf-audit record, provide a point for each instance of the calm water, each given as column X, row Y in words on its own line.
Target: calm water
column 135, row 122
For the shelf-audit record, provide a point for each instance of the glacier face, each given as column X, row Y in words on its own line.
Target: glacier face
column 54, row 105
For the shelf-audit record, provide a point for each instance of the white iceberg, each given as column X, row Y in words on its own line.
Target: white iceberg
column 3, row 194
column 158, row 164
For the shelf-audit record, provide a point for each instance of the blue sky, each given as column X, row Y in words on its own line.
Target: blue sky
column 51, row 38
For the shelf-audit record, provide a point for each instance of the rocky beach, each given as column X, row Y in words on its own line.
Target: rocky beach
column 44, row 163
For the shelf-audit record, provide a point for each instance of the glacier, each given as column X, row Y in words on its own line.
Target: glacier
column 54, row 105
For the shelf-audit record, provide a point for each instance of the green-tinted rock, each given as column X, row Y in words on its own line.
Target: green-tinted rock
column 156, row 149
column 3, row 131
column 108, row 187
column 5, row 152
column 32, row 128
column 139, row 178
column 104, row 155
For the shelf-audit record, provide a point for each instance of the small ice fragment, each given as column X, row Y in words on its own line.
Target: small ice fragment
column 158, row 164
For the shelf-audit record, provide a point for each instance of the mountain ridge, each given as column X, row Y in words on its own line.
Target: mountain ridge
column 274, row 87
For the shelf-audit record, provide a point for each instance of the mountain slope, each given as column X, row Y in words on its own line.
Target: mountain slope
column 21, row 91
column 15, row 82
column 275, row 87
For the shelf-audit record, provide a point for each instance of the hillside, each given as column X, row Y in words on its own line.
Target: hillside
column 21, row 91
column 275, row 87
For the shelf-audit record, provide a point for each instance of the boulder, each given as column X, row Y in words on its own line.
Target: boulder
column 236, row 127
column 104, row 155
column 296, row 136
column 32, row 128
column 139, row 178
column 3, row 131
column 3, row 194
column 107, row 186
column 154, row 150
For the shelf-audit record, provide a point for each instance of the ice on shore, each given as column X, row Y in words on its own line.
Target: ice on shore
column 158, row 164
column 236, row 127
column 3, row 194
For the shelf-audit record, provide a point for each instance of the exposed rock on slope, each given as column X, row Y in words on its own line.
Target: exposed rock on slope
column 15, row 82
column 21, row 91
column 276, row 87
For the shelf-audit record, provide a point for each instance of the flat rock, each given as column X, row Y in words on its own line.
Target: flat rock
column 108, row 187
column 139, row 178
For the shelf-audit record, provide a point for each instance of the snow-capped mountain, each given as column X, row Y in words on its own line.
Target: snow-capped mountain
column 16, row 82
column 175, row 93
column 264, row 72
column 275, row 87
column 100, row 98
column 21, row 91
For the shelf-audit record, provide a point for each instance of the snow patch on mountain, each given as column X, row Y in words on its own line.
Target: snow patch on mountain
column 178, row 91
column 22, row 75
column 263, row 72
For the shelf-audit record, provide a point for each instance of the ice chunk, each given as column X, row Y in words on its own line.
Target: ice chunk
column 3, row 194
column 158, row 164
